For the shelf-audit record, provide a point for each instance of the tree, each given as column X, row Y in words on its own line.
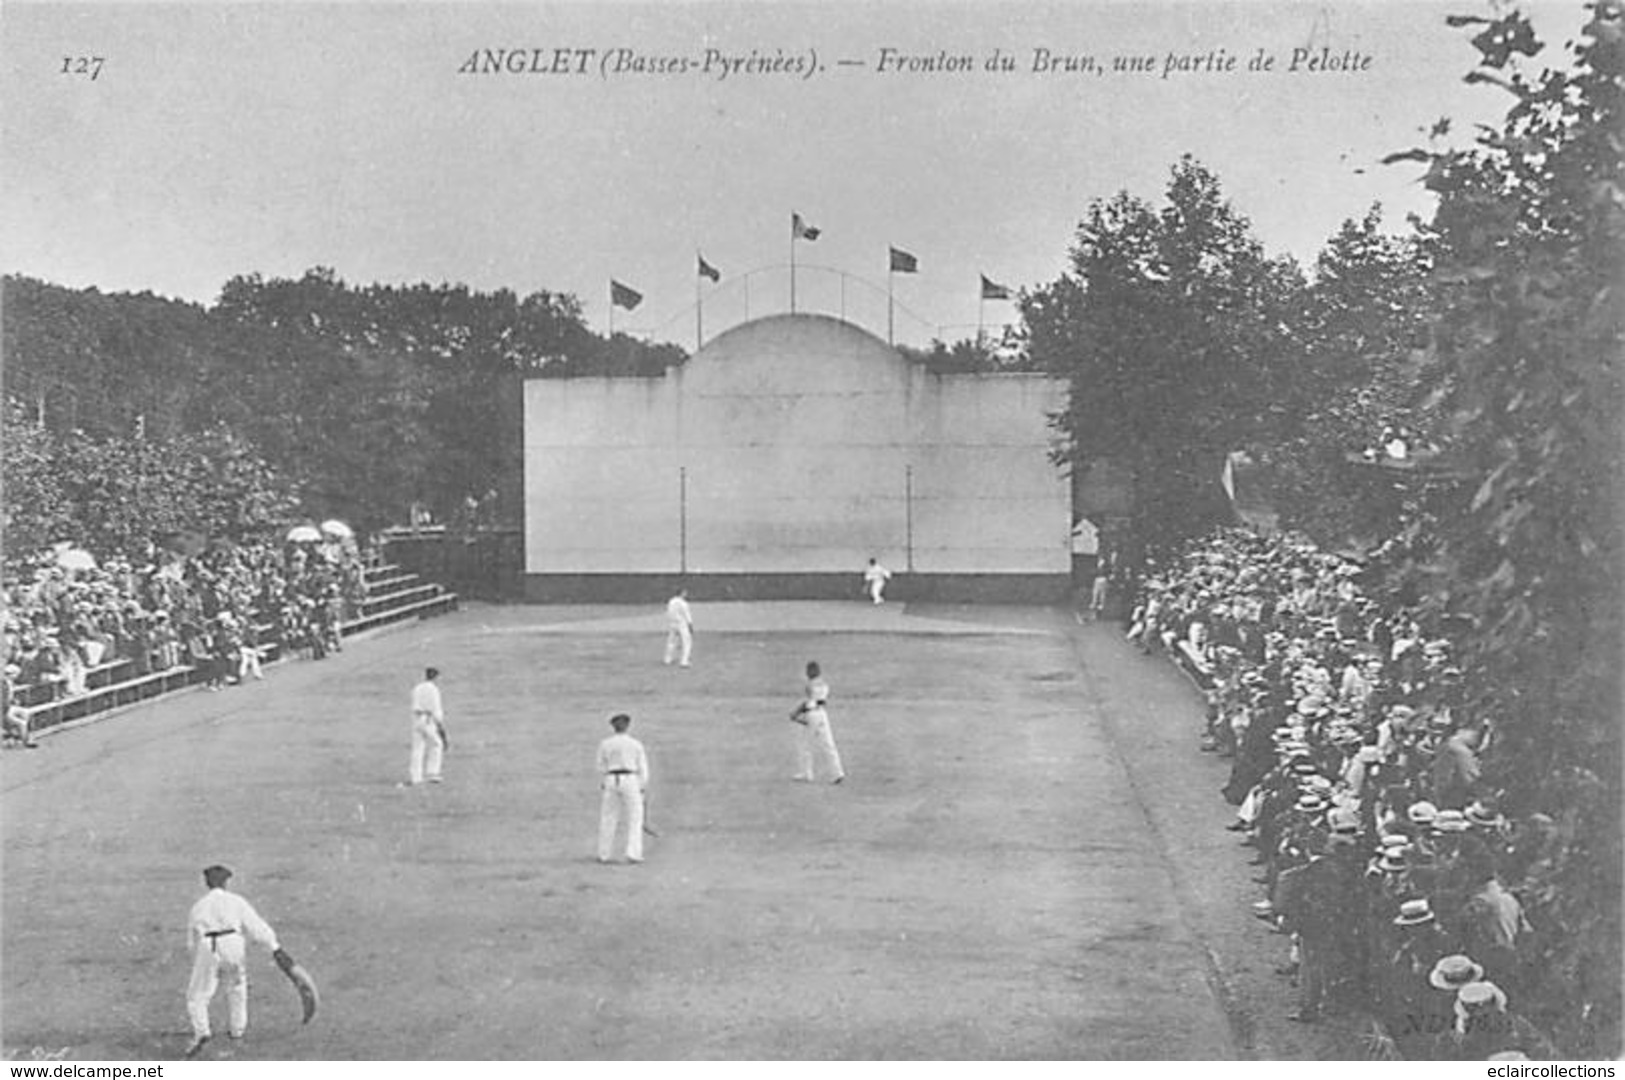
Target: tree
column 432, row 373
column 102, row 364
column 1531, row 234
column 37, row 512
column 1170, row 326
column 1362, row 338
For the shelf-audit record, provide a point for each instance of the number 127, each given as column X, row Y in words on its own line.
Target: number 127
column 83, row 65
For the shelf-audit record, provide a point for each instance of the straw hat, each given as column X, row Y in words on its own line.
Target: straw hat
column 1422, row 813
column 1414, row 913
column 1455, row 972
column 1450, row 821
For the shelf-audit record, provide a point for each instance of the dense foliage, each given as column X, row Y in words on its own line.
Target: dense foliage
column 1170, row 327
column 1359, row 335
column 115, row 493
column 368, row 399
column 1531, row 236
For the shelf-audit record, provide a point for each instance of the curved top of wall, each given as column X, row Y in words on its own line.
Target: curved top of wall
column 796, row 351
column 801, row 325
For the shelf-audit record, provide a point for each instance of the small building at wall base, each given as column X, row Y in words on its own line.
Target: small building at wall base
column 778, row 460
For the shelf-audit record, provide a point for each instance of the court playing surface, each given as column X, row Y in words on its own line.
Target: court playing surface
column 984, row 885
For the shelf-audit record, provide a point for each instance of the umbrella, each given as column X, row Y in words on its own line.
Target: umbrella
column 337, row 529
column 304, row 534
column 75, row 559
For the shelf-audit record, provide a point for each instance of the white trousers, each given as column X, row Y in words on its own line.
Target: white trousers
column 877, row 590
column 427, row 749
column 815, row 745
column 223, row 958
column 621, row 804
column 679, row 639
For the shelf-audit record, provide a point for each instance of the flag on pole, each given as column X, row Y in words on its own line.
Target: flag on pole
column 800, row 230
column 992, row 290
column 707, row 270
column 903, row 263
column 621, row 296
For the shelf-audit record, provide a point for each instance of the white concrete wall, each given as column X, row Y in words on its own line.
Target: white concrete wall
column 799, row 437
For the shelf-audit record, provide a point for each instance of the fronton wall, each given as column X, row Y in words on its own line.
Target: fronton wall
column 793, row 447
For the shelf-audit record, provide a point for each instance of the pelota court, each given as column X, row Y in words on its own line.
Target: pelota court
column 989, row 883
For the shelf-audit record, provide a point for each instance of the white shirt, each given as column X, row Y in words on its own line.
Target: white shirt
column 622, row 753
column 876, row 572
column 223, row 910
column 426, row 699
column 817, row 694
column 677, row 613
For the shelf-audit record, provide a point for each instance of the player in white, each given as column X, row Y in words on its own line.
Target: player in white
column 679, row 629
column 874, row 581
column 623, row 770
column 815, row 737
column 215, row 931
column 428, row 730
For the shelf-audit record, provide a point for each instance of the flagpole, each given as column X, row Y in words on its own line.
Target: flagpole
column 699, row 311
column 612, row 311
column 981, row 309
column 792, row 265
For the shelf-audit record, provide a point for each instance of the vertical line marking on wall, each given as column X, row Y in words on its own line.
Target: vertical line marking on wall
column 908, row 513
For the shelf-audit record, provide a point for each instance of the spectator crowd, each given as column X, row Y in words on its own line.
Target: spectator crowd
column 1398, row 885
column 220, row 612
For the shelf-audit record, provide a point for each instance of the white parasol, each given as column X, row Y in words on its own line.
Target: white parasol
column 75, row 559
column 304, row 534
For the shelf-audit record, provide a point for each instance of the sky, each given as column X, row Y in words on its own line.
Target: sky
column 222, row 139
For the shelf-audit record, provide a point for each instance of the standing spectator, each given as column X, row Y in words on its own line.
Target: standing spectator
column 1403, row 990
column 1100, row 588
column 248, row 652
column 228, row 644
column 1456, row 769
column 332, row 613
column 71, row 663
column 168, row 637
column 140, row 646
column 1492, row 921
column 1482, row 1025
column 15, row 717
column 1314, row 902
column 200, row 652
